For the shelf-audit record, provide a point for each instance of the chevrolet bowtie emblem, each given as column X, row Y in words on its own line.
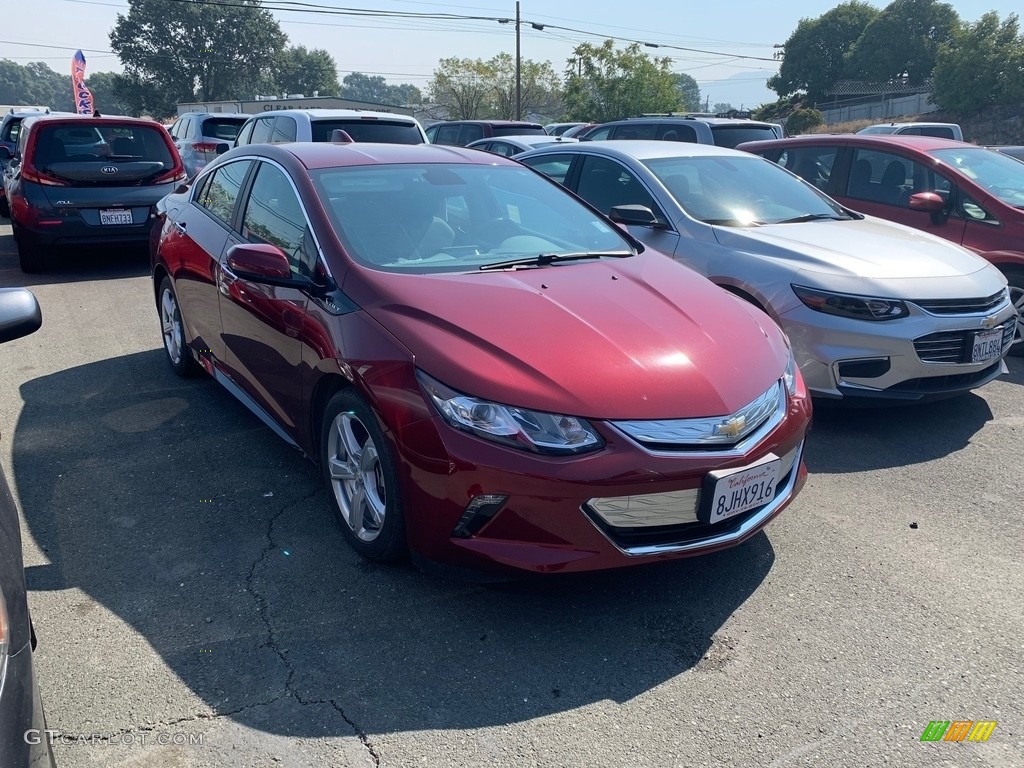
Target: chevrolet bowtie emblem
column 732, row 427
column 990, row 322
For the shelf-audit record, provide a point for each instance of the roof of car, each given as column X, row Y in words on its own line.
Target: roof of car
column 489, row 122
column 71, row 117
column 243, row 115
column 922, row 143
column 527, row 138
column 642, row 149
column 315, row 155
column 314, row 114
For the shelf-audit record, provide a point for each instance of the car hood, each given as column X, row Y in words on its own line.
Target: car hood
column 635, row 338
column 869, row 254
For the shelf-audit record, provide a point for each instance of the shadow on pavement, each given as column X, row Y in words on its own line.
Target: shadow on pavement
column 73, row 265
column 169, row 504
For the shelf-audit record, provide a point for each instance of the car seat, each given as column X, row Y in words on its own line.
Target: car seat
column 891, row 186
column 860, row 180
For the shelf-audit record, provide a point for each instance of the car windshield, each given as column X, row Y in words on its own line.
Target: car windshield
column 518, row 130
column 1000, row 175
column 363, row 129
column 103, row 153
column 741, row 191
column 457, row 217
column 223, row 128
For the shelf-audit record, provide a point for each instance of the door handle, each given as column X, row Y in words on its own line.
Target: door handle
column 181, row 226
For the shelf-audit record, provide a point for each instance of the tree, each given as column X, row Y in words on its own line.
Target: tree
column 815, row 53
column 374, row 88
column 802, row 120
column 721, row 107
column 602, row 83
column 181, row 51
column 689, row 92
column 902, row 41
column 301, row 70
column 982, row 65
column 471, row 89
column 108, row 91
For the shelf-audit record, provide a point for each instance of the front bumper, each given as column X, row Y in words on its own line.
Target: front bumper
column 547, row 522
column 856, row 359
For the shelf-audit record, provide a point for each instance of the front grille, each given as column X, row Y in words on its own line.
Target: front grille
column 961, row 306
column 954, row 346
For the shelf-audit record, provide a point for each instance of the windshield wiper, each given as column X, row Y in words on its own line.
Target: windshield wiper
column 812, row 217
column 544, row 259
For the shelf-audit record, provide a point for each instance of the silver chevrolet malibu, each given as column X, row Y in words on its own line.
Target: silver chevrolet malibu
column 873, row 309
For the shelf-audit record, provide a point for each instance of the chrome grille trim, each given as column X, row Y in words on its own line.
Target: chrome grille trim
column 671, row 437
column 650, row 510
column 962, row 306
column 783, row 494
column 955, row 346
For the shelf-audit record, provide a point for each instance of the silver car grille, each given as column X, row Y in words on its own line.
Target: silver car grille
column 713, row 433
column 962, row 306
column 954, row 346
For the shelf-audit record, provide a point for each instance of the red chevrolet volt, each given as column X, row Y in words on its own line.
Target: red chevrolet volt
column 487, row 371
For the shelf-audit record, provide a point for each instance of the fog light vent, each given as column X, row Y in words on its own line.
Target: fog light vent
column 864, row 369
column 480, row 510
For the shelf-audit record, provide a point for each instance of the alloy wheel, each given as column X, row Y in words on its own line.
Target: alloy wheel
column 356, row 476
column 170, row 324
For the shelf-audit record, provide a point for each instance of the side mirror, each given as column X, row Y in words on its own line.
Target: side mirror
column 223, row 147
column 19, row 313
column 635, row 216
column 5, row 153
column 929, row 202
column 261, row 263
column 339, row 136
column 181, row 188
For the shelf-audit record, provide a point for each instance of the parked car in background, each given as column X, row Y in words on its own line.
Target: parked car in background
column 1012, row 151
column 573, row 133
column 320, row 125
column 557, row 129
column 23, row 739
column 938, row 130
column 10, row 126
column 83, row 180
column 384, row 309
column 960, row 192
column 722, row 131
column 459, row 133
column 509, row 146
column 201, row 136
column 875, row 311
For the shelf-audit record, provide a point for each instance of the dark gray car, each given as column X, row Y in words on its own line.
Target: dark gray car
column 23, row 738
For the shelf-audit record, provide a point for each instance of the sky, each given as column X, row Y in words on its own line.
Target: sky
column 731, row 41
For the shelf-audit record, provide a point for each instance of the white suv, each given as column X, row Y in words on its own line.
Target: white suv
column 319, row 125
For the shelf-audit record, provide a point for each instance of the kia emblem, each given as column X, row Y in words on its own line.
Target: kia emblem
column 108, row 169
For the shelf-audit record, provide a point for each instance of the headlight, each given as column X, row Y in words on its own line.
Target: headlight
column 851, row 305
column 790, row 377
column 517, row 427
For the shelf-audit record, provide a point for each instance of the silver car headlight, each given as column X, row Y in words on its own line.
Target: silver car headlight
column 851, row 305
column 521, row 428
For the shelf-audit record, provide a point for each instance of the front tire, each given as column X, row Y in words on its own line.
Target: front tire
column 1015, row 278
column 362, row 479
column 173, row 329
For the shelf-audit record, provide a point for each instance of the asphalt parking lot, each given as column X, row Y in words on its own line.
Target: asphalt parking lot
column 196, row 605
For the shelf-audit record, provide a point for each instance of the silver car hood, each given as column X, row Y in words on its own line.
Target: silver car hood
column 869, row 255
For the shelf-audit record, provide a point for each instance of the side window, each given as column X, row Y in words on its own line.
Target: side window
column 173, row 130
column 284, row 130
column 502, row 148
column 273, row 214
column 673, row 132
column 938, row 131
column 447, row 134
column 471, row 133
column 882, row 177
column 189, row 128
column 600, row 134
column 261, row 130
column 812, row 164
column 605, row 183
column 245, row 135
column 636, row 131
column 221, row 193
column 553, row 166
column 431, row 134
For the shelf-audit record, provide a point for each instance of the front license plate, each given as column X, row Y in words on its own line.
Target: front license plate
column 988, row 345
column 731, row 492
column 116, row 217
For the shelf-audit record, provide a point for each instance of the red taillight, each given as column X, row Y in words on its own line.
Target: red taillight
column 205, row 146
column 32, row 174
column 173, row 175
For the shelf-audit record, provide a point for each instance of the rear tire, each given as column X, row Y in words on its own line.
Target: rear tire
column 31, row 257
column 1015, row 278
column 362, row 479
column 5, row 208
column 172, row 327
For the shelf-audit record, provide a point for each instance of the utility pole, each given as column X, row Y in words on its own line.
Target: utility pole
column 519, row 76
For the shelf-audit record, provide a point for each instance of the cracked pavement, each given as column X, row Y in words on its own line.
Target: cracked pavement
column 189, row 585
